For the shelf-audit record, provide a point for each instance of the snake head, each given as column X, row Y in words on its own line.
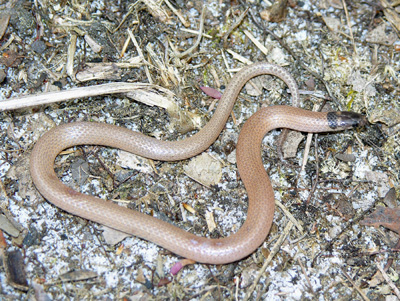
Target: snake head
column 346, row 120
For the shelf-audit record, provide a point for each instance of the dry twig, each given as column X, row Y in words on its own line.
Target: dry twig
column 387, row 279
column 53, row 97
column 362, row 294
column 349, row 25
column 181, row 55
column 275, row 249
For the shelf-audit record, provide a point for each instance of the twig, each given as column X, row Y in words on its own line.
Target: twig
column 391, row 14
column 318, row 94
column 307, row 147
column 290, row 216
column 125, row 17
column 390, row 260
column 237, row 56
column 141, row 55
column 70, row 56
column 306, row 151
column 201, row 28
column 349, row 25
column 314, row 186
column 196, row 32
column 387, row 279
column 185, row 22
column 329, row 245
column 52, row 97
column 295, row 57
column 232, row 28
column 305, row 275
column 364, row 296
column 271, row 255
column 256, row 42
column 3, row 191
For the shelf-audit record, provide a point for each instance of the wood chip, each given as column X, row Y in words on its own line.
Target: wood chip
column 78, row 275
column 7, row 226
column 291, row 144
column 204, row 169
column 210, row 221
column 15, row 270
column 112, row 236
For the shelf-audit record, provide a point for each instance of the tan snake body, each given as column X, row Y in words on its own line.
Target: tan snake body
column 251, row 169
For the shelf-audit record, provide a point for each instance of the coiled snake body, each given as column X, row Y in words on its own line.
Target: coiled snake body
column 260, row 193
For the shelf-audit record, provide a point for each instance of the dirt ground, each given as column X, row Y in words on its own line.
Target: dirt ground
column 335, row 234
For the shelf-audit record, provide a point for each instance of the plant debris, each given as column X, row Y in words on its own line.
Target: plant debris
column 139, row 65
column 387, row 217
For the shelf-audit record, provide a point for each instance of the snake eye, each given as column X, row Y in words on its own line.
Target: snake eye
column 346, row 120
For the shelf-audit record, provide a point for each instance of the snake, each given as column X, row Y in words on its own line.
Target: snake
column 261, row 201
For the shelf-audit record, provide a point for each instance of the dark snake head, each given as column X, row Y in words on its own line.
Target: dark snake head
column 346, row 120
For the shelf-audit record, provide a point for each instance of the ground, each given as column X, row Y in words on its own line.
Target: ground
column 343, row 55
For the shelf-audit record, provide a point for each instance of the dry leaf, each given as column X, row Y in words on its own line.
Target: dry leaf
column 333, row 24
column 379, row 36
column 291, row 144
column 112, row 236
column 390, row 198
column 276, row 12
column 204, row 169
column 387, row 217
column 135, row 162
column 179, row 265
column 214, row 93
